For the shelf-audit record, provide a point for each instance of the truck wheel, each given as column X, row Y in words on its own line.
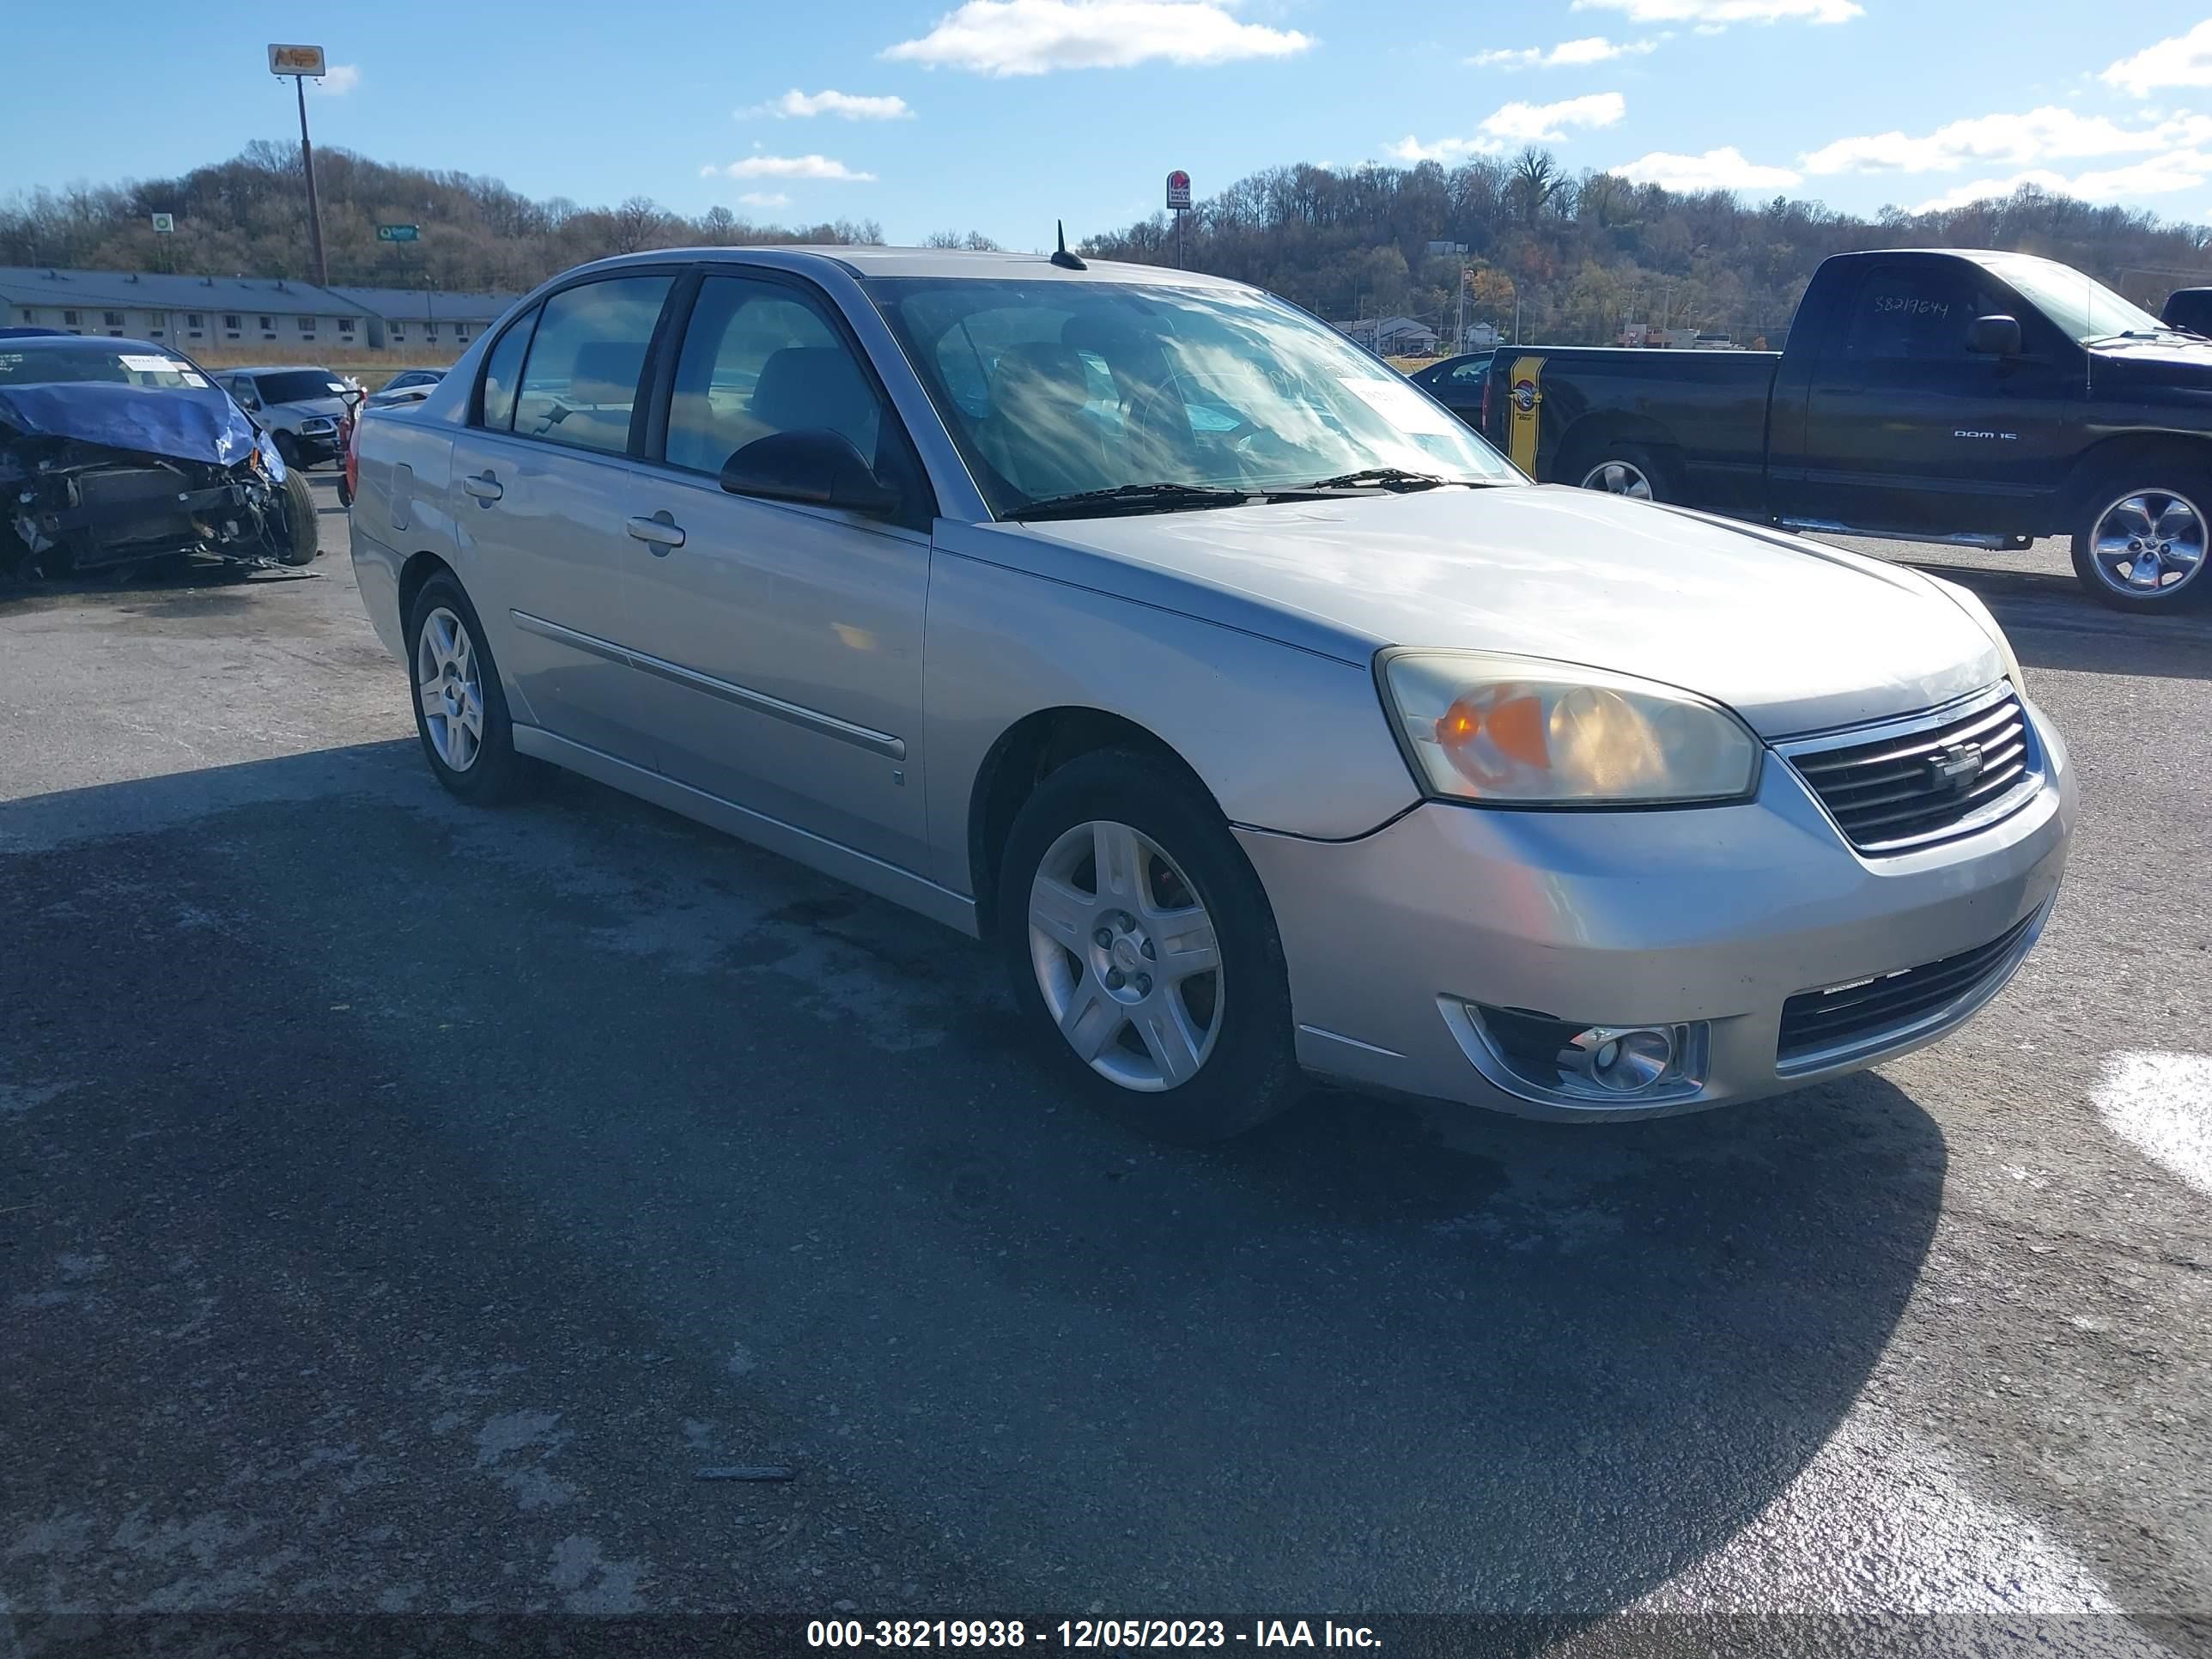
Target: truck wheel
column 1143, row 951
column 302, row 537
column 1623, row 469
column 2141, row 543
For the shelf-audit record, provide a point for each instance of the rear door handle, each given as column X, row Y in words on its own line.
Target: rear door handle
column 483, row 487
column 659, row 532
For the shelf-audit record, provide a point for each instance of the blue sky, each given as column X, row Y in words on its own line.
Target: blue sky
column 1001, row 115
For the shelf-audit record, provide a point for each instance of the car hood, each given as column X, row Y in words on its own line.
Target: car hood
column 180, row 423
column 301, row 407
column 1794, row 635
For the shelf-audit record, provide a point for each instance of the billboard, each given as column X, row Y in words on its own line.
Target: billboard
column 296, row 60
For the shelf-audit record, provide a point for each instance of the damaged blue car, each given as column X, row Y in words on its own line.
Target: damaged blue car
column 116, row 454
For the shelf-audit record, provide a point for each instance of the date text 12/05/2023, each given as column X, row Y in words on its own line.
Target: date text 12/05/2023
column 1085, row 1633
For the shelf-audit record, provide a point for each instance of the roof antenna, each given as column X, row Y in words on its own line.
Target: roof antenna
column 1063, row 259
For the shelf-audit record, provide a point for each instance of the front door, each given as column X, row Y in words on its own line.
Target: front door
column 1904, row 429
column 780, row 646
column 540, row 487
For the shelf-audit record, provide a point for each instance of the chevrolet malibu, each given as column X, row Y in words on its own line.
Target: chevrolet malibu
column 1262, row 718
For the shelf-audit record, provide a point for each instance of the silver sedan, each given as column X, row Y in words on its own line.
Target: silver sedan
column 1265, row 720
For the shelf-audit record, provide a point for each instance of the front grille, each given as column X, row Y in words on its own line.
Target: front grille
column 1815, row 1022
column 1909, row 783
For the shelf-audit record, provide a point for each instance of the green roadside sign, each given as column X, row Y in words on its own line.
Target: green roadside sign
column 397, row 232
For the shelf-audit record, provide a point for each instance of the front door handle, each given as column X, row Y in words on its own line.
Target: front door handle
column 659, row 532
column 483, row 486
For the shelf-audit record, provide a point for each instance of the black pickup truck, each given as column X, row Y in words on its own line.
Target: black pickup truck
column 1941, row 395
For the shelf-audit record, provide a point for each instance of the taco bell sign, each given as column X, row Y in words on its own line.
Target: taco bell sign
column 1178, row 190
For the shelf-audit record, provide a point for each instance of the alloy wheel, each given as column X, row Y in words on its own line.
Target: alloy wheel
column 2149, row 543
column 1126, row 955
column 1619, row 479
column 451, row 693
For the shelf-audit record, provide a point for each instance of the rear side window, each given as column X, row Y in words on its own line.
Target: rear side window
column 502, row 372
column 580, row 383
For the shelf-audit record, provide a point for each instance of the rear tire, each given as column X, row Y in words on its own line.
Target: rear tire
column 1636, row 471
column 468, row 739
column 2140, row 541
column 302, row 537
column 1119, row 877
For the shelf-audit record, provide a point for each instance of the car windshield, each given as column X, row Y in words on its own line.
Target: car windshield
column 26, row 363
column 1052, row 389
column 299, row 385
column 2084, row 307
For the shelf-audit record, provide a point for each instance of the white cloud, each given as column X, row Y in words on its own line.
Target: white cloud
column 1712, row 16
column 1716, row 169
column 1568, row 54
column 1517, row 124
column 2180, row 169
column 790, row 167
column 846, row 106
column 341, row 79
column 1548, row 123
column 1034, row 37
column 2048, row 134
column 764, row 199
column 2184, row 61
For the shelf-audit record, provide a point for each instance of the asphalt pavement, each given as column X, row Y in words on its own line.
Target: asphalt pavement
column 401, row 1204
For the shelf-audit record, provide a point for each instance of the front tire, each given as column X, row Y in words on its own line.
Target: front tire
column 303, row 537
column 1142, row 950
column 2141, row 543
column 460, row 710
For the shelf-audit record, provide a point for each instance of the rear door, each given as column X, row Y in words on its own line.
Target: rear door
column 780, row 645
column 1906, row 429
column 541, row 484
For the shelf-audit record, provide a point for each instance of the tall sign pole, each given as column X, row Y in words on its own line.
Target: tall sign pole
column 299, row 63
column 1179, row 205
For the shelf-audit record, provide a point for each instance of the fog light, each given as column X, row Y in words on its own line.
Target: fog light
column 1595, row 1062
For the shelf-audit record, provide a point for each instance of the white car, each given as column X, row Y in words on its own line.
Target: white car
column 1263, row 717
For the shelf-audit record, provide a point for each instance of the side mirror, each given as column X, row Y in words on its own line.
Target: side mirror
column 353, row 397
column 815, row 466
column 1993, row 337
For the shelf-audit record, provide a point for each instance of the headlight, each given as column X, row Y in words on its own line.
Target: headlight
column 1515, row 731
column 1970, row 602
column 317, row 424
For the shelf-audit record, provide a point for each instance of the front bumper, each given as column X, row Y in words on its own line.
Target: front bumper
column 315, row 448
column 1717, row 914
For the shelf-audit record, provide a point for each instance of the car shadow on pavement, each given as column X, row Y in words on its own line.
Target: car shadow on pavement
column 474, row 1177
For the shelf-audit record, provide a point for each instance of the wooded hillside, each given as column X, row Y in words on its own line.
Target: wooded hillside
column 1581, row 254
column 1584, row 254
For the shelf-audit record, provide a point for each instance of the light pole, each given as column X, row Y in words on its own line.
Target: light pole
column 299, row 63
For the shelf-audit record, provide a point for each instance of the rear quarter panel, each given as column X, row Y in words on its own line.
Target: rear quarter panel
column 401, row 507
column 1549, row 404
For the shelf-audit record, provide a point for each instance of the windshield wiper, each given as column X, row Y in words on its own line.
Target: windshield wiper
column 1385, row 478
column 1135, row 497
column 2145, row 334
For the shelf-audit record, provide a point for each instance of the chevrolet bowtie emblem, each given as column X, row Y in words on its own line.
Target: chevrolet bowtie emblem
column 1955, row 768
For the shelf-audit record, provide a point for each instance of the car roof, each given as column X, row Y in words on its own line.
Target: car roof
column 873, row 262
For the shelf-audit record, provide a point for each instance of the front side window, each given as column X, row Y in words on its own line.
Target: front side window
column 1916, row 313
column 502, row 371
column 759, row 358
column 1052, row 389
column 579, row 384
